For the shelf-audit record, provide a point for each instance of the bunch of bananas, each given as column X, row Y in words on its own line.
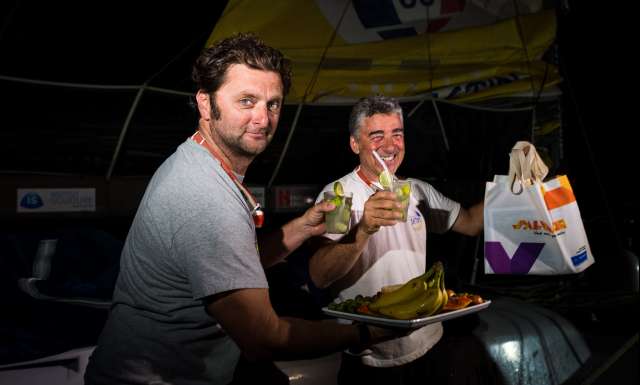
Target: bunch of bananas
column 421, row 296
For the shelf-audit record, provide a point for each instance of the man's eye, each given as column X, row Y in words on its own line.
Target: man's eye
column 274, row 106
column 246, row 101
column 376, row 138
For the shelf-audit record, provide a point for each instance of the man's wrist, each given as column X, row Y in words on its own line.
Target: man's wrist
column 364, row 339
column 362, row 233
column 301, row 228
column 364, row 336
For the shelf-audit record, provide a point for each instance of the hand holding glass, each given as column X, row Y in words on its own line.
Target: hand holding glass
column 337, row 220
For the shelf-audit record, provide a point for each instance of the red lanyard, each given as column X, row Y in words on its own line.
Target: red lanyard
column 256, row 212
column 366, row 180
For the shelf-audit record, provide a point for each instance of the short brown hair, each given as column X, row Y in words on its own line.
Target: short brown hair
column 210, row 68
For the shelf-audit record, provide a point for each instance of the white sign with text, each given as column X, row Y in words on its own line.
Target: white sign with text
column 49, row 200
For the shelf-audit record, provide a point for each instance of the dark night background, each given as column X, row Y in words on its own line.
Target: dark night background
column 51, row 135
column 48, row 129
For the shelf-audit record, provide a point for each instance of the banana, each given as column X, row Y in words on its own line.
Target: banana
column 414, row 287
column 425, row 304
column 445, row 295
column 390, row 288
column 423, row 295
column 408, row 290
column 421, row 306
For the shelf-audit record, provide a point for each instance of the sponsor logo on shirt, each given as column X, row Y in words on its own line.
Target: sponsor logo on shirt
column 416, row 220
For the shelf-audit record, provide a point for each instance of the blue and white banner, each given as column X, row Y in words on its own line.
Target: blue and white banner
column 50, row 200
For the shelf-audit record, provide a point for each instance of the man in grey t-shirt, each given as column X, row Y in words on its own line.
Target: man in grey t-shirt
column 192, row 292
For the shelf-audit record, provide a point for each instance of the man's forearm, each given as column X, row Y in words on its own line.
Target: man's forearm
column 250, row 320
column 334, row 260
column 327, row 337
column 470, row 221
column 476, row 212
column 274, row 247
column 296, row 341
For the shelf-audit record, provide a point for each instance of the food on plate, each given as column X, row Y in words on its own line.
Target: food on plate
column 422, row 296
column 390, row 288
column 456, row 302
column 427, row 299
column 461, row 300
column 351, row 305
column 415, row 287
column 475, row 299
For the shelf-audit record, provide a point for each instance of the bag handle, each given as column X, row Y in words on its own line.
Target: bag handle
column 525, row 165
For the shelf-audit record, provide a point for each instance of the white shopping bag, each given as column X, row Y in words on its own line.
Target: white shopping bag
column 530, row 226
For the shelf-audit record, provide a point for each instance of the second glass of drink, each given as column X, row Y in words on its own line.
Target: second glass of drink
column 337, row 220
column 402, row 189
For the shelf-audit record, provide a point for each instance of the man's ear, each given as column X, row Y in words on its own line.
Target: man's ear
column 204, row 104
column 355, row 147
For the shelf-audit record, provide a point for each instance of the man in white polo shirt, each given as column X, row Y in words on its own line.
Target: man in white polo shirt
column 380, row 250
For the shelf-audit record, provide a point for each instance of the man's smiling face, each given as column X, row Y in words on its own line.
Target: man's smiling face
column 383, row 133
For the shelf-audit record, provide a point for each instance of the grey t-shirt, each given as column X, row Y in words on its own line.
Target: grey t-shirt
column 192, row 237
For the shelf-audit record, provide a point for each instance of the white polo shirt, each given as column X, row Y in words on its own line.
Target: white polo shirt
column 393, row 255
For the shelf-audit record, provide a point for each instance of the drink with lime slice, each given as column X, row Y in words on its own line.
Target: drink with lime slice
column 402, row 189
column 337, row 220
column 386, row 180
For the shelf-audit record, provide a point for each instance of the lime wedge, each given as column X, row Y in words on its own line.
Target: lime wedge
column 341, row 228
column 337, row 189
column 406, row 189
column 385, row 179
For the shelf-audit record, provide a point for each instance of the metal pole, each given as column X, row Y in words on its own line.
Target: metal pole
column 286, row 145
column 123, row 132
column 442, row 130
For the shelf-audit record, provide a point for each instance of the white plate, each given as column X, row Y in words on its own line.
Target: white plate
column 410, row 323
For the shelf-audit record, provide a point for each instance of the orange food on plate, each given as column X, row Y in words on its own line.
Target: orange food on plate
column 476, row 299
column 364, row 309
column 456, row 302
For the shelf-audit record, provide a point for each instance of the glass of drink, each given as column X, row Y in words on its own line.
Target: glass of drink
column 402, row 189
column 337, row 220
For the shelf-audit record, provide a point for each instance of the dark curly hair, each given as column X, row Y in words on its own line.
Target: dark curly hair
column 210, row 68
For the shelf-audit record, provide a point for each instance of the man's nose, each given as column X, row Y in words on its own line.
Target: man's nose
column 388, row 144
column 260, row 116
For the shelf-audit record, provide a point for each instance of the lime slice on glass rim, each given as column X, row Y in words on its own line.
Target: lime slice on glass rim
column 339, row 194
column 385, row 179
column 405, row 189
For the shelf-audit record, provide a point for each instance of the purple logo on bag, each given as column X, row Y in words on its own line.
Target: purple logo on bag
column 522, row 260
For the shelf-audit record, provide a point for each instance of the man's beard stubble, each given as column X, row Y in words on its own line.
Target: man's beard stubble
column 233, row 144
